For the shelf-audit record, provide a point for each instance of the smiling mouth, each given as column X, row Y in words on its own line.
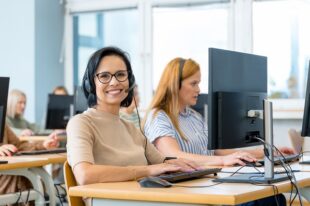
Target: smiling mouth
column 114, row 92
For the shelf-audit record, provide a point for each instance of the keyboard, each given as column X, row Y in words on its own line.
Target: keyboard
column 37, row 152
column 184, row 176
column 288, row 159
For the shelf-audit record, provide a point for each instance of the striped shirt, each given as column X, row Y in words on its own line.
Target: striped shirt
column 191, row 124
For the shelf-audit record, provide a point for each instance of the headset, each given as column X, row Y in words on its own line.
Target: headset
column 88, row 83
column 181, row 65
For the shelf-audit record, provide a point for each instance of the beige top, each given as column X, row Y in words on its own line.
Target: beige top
column 103, row 138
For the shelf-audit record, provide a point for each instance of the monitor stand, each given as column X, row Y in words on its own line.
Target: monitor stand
column 269, row 176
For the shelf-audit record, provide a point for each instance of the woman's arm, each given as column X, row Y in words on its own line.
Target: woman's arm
column 87, row 173
column 169, row 147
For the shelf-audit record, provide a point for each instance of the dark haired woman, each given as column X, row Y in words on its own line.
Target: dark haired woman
column 102, row 147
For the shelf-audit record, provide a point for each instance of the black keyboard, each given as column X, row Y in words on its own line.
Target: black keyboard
column 37, row 152
column 288, row 159
column 184, row 176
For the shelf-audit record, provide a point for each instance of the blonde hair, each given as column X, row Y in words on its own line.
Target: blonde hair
column 166, row 96
column 60, row 89
column 13, row 99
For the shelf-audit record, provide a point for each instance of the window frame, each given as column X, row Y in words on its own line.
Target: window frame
column 239, row 34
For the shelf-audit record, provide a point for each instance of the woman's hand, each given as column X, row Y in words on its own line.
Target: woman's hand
column 26, row 132
column 237, row 157
column 184, row 164
column 286, row 151
column 51, row 142
column 158, row 169
column 7, row 150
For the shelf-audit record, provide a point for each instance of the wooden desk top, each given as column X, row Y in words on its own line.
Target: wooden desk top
column 61, row 138
column 226, row 193
column 17, row 162
column 22, row 162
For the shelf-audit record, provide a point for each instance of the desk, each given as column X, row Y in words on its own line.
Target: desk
column 130, row 193
column 31, row 168
column 61, row 138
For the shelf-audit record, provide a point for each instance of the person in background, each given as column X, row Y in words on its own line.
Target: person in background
column 102, row 147
column 10, row 145
column 60, row 90
column 130, row 113
column 15, row 114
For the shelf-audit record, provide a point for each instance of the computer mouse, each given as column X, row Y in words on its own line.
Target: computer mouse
column 154, row 182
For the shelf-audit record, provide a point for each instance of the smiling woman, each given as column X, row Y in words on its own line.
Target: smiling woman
column 102, row 147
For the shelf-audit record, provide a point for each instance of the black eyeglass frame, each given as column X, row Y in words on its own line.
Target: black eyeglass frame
column 112, row 75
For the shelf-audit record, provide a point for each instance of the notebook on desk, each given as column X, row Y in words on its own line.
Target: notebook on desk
column 38, row 152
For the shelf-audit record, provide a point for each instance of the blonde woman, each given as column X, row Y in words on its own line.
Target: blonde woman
column 15, row 114
column 176, row 129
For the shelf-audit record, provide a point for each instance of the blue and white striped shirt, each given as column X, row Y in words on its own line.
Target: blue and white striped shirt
column 191, row 124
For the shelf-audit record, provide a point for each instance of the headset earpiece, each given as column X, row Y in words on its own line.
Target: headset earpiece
column 181, row 65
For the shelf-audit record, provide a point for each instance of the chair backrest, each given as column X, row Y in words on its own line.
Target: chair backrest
column 70, row 182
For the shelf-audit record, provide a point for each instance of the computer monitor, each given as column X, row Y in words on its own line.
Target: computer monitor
column 59, row 111
column 202, row 105
column 237, row 85
column 305, row 130
column 80, row 101
column 4, row 88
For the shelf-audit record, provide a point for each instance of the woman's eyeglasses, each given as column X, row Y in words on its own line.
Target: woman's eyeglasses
column 106, row 77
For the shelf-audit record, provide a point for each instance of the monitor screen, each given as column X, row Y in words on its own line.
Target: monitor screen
column 202, row 105
column 59, row 111
column 237, row 84
column 305, row 130
column 4, row 88
column 80, row 101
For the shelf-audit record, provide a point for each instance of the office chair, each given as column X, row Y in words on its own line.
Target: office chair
column 71, row 182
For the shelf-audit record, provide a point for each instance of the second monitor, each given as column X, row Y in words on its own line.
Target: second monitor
column 237, row 85
column 59, row 111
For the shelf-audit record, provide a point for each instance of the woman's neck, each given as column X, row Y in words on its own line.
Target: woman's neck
column 108, row 108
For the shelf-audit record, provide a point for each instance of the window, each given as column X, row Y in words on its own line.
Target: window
column 95, row 30
column 188, row 32
column 281, row 31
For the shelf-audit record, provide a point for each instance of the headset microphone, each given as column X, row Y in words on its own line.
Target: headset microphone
column 130, row 88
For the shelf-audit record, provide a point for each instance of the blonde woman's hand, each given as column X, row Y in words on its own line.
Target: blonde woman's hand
column 51, row 142
column 7, row 150
column 26, row 132
column 237, row 158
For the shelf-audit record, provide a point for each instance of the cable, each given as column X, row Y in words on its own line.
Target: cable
column 286, row 167
column 19, row 196
column 60, row 197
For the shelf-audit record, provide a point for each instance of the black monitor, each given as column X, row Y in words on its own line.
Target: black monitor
column 237, row 85
column 305, row 130
column 4, row 88
column 59, row 111
column 202, row 105
column 80, row 101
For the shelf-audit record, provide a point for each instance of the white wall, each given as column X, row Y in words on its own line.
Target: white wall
column 16, row 47
column 30, row 46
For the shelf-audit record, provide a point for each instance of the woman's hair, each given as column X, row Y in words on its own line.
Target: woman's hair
column 60, row 88
column 88, row 84
column 13, row 99
column 166, row 96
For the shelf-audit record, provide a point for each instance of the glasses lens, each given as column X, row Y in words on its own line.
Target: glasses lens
column 104, row 77
column 121, row 75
